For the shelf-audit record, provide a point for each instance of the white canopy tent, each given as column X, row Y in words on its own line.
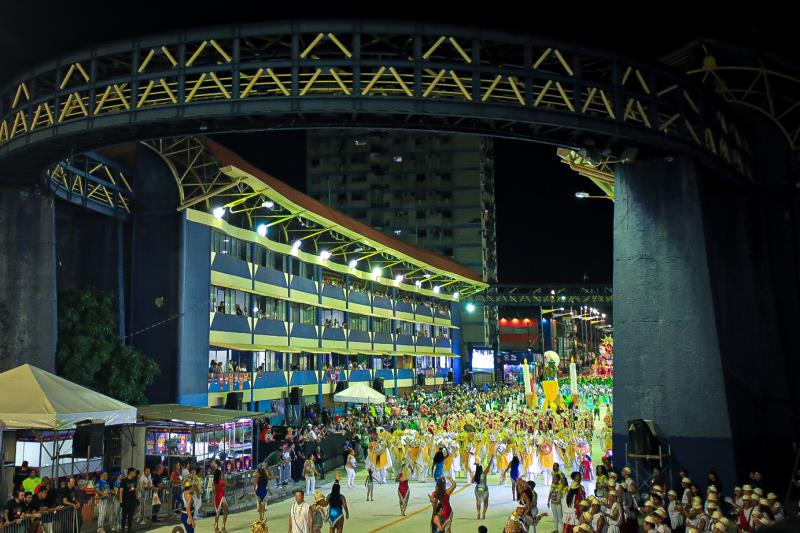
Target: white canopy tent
column 360, row 392
column 36, row 399
column 42, row 409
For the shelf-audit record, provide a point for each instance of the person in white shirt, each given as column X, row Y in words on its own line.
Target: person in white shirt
column 676, row 518
column 145, row 487
column 775, row 506
column 299, row 514
column 350, row 467
column 661, row 526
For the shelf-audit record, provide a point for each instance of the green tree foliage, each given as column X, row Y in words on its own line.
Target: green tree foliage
column 91, row 353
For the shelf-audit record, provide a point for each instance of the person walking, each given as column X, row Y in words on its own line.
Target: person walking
column 127, row 498
column 310, row 473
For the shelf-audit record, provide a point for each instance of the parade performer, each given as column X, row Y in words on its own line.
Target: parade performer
column 403, row 490
column 481, row 488
column 441, row 497
column 350, row 468
column 552, row 396
column 337, row 508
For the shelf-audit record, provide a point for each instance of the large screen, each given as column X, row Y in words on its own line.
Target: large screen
column 483, row 359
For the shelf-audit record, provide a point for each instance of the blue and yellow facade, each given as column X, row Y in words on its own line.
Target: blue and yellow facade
column 376, row 318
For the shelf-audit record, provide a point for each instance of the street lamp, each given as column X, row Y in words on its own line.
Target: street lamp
column 580, row 195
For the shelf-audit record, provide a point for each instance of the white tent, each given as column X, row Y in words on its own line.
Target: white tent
column 360, row 392
column 35, row 399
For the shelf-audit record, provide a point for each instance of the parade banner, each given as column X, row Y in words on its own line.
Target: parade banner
column 573, row 379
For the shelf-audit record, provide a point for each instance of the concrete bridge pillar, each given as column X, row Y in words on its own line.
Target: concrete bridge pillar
column 667, row 353
column 27, row 278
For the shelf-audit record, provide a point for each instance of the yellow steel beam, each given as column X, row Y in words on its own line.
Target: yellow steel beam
column 252, row 83
column 169, row 92
column 542, row 93
column 196, row 87
column 220, row 85
column 168, row 55
column 21, row 88
column 311, row 46
column 209, row 194
column 342, row 47
column 589, row 98
column 564, row 96
column 542, row 58
column 144, row 96
column 460, row 85
column 460, row 50
column 146, row 60
column 278, row 82
column 564, row 63
column 339, row 81
column 488, row 92
column 641, row 80
column 311, row 81
column 372, row 82
column 400, row 81
column 222, row 52
column 436, row 80
column 433, row 48
column 197, row 53
column 516, row 90
column 67, row 77
column 609, row 109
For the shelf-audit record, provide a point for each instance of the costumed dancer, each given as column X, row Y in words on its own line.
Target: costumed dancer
column 403, row 490
column 481, row 488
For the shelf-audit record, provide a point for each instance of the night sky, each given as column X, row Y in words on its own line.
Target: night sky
column 544, row 234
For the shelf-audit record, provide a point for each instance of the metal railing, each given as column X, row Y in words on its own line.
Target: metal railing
column 104, row 514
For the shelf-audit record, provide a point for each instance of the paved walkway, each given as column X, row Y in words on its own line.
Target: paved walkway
column 383, row 514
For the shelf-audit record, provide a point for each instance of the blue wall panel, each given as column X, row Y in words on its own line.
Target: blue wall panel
column 229, row 265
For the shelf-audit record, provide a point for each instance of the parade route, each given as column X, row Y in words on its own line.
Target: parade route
column 383, row 514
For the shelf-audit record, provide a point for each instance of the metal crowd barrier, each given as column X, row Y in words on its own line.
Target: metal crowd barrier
column 104, row 515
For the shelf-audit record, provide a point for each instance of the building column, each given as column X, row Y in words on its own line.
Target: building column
column 28, row 326
column 667, row 356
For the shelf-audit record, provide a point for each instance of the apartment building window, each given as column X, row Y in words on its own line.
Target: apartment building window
column 277, row 261
column 447, row 251
column 302, row 313
column 357, row 196
column 358, row 159
column 230, row 301
column 421, row 214
column 269, row 308
column 383, row 325
column 447, row 232
column 359, row 322
column 315, row 162
column 405, row 328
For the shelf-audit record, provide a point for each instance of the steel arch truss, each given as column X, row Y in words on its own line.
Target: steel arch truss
column 749, row 78
column 306, row 73
column 93, row 181
column 248, row 203
column 544, row 295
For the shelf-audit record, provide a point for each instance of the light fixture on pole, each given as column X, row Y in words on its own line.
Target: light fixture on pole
column 581, row 195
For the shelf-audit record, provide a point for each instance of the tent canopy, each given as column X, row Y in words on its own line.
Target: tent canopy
column 194, row 415
column 360, row 392
column 35, row 399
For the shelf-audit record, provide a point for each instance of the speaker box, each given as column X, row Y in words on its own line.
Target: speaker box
column 421, row 379
column 279, row 432
column 377, row 384
column 234, row 400
column 450, row 376
column 88, row 439
column 294, row 396
column 341, row 385
column 642, row 438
